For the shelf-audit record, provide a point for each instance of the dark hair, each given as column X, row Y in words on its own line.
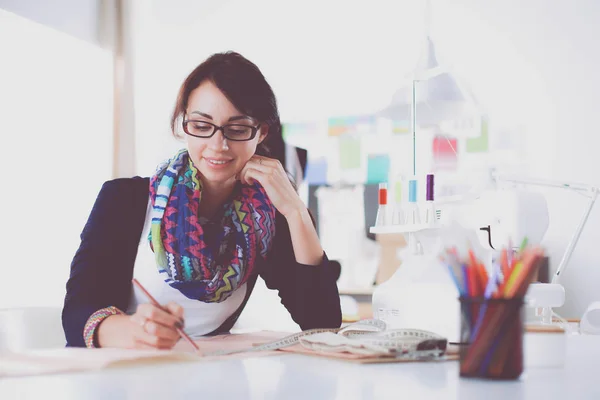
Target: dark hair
column 245, row 87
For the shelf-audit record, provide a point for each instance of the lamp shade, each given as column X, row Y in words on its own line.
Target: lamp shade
column 439, row 95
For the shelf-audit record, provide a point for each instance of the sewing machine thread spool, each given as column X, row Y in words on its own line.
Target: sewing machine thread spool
column 429, row 192
column 430, row 216
column 412, row 191
column 412, row 216
column 590, row 322
column 382, row 210
column 398, row 213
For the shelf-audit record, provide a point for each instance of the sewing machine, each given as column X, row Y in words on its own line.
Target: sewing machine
column 508, row 211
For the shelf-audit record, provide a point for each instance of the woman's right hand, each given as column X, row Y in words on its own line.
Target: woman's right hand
column 149, row 328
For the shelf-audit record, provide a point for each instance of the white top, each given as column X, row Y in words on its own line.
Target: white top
column 200, row 318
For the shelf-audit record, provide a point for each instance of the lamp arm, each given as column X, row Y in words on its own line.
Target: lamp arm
column 575, row 238
column 589, row 191
column 579, row 187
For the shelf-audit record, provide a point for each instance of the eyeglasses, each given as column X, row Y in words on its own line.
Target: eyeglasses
column 235, row 132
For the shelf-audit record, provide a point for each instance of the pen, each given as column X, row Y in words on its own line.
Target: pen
column 155, row 303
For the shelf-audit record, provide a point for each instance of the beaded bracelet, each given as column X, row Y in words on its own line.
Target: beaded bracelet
column 94, row 320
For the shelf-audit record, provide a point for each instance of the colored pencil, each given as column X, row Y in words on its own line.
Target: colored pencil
column 494, row 327
column 157, row 304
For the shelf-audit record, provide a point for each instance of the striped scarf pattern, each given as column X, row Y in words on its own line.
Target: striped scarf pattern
column 177, row 238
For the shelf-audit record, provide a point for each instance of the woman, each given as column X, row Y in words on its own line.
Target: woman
column 199, row 232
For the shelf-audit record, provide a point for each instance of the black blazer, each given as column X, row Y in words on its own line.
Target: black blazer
column 102, row 268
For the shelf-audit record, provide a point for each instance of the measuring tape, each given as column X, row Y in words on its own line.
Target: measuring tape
column 400, row 343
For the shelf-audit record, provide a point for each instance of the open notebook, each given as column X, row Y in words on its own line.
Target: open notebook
column 364, row 342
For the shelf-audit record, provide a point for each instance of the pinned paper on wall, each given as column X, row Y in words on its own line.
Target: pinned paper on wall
column 349, row 153
column 445, row 153
column 316, row 171
column 337, row 126
column 480, row 144
column 378, row 167
column 400, row 127
column 341, row 125
column 291, row 129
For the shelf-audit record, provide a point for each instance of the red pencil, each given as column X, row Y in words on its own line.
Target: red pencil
column 157, row 304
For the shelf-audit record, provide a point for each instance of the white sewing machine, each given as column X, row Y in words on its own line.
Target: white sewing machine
column 508, row 211
column 518, row 211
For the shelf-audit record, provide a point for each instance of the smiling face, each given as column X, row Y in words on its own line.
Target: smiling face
column 217, row 158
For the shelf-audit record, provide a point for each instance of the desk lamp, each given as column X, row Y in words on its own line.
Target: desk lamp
column 529, row 218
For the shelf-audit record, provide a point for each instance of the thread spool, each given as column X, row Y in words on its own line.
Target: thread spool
column 382, row 211
column 590, row 322
column 413, row 211
column 430, row 211
column 412, row 191
column 383, row 194
column 398, row 213
column 429, row 191
column 398, row 191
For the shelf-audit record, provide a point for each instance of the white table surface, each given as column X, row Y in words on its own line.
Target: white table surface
column 303, row 377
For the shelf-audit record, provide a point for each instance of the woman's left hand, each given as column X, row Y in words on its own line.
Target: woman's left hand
column 271, row 175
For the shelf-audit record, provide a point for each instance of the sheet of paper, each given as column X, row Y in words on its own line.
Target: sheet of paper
column 231, row 342
column 63, row 360
column 316, row 171
column 52, row 361
column 350, row 155
column 378, row 167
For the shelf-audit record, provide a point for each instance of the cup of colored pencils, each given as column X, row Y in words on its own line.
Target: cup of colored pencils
column 491, row 310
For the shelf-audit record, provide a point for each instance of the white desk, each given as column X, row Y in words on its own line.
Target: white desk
column 304, row 377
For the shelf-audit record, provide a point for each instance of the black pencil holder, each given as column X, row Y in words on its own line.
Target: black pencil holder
column 491, row 335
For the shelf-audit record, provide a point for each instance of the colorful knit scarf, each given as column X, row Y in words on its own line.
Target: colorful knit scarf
column 178, row 240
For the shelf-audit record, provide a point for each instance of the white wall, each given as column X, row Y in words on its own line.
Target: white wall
column 558, row 39
column 56, row 150
column 78, row 18
column 319, row 61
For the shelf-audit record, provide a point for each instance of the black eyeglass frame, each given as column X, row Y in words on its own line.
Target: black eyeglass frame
column 220, row 128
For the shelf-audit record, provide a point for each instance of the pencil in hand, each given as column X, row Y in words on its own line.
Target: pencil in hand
column 157, row 304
